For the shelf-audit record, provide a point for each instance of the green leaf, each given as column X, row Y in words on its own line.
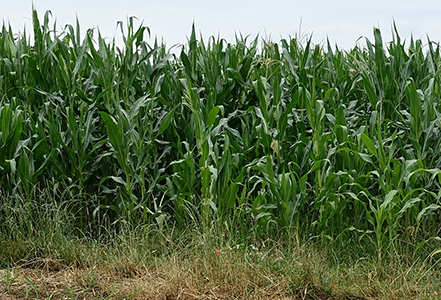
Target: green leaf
column 369, row 144
column 212, row 116
column 388, row 199
column 165, row 122
column 118, row 179
column 430, row 209
column 117, row 139
column 365, row 157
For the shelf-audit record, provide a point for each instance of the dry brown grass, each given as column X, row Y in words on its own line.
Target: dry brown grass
column 210, row 275
column 203, row 266
column 225, row 274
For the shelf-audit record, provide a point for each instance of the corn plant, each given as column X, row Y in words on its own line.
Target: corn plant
column 262, row 137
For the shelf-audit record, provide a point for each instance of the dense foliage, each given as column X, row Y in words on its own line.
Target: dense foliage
column 257, row 136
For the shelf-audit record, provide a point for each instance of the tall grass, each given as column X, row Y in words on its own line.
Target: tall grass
column 261, row 137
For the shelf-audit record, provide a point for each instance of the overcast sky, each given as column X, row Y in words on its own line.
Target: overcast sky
column 343, row 22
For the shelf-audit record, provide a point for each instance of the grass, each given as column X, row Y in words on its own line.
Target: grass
column 149, row 262
column 136, row 171
column 144, row 264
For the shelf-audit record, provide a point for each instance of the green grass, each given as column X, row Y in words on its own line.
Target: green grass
column 239, row 143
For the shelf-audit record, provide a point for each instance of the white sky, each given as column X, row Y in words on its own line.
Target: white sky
column 342, row 21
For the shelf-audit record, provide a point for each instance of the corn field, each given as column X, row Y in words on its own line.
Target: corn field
column 258, row 136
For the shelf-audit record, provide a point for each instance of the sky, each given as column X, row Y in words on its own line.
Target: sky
column 342, row 22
